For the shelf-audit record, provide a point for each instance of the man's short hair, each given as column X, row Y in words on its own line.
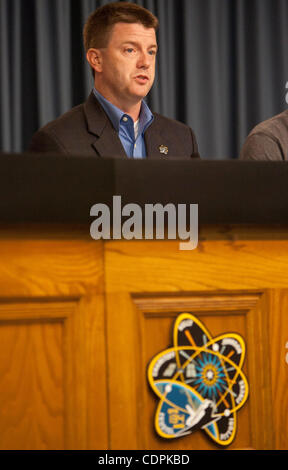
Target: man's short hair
column 99, row 25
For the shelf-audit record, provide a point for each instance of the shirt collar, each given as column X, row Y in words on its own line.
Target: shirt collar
column 115, row 114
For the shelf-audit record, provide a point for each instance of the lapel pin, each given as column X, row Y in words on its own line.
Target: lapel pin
column 163, row 149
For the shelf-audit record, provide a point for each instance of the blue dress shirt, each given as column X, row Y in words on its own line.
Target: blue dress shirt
column 124, row 125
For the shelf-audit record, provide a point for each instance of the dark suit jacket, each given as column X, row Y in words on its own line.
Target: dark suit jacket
column 86, row 130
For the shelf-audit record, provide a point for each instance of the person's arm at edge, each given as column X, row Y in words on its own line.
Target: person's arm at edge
column 261, row 147
column 195, row 152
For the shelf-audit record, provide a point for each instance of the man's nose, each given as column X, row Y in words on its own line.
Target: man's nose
column 144, row 60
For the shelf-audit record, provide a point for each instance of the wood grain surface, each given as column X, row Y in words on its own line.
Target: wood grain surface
column 80, row 320
column 235, row 286
column 53, row 387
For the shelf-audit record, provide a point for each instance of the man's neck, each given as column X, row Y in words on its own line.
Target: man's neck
column 132, row 109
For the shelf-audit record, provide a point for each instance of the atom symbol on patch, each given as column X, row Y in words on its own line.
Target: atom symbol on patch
column 200, row 382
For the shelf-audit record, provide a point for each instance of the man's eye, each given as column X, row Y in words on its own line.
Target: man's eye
column 130, row 50
column 152, row 52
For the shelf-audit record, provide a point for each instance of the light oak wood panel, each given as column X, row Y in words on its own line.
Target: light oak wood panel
column 53, row 375
column 247, row 267
column 31, row 376
column 56, row 268
column 54, row 285
column 86, row 420
column 162, row 267
column 259, row 376
column 278, row 353
column 95, row 363
column 146, row 323
column 123, row 345
column 56, row 288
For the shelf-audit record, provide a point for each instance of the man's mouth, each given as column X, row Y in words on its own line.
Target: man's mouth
column 142, row 79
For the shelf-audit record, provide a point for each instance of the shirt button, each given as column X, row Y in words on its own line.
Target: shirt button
column 125, row 119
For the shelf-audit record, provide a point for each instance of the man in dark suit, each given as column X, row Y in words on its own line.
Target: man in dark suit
column 121, row 46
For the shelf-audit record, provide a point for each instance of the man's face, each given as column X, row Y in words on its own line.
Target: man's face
column 128, row 64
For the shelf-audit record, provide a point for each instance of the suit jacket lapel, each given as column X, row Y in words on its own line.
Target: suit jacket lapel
column 107, row 143
column 154, row 140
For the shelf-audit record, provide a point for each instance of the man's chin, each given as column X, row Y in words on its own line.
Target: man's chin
column 139, row 94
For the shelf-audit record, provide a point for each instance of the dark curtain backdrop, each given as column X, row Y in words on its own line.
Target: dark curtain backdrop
column 222, row 66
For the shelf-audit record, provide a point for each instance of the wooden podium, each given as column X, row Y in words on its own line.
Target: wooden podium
column 81, row 319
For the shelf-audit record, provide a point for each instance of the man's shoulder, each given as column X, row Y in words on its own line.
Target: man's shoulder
column 71, row 118
column 276, row 126
column 65, row 134
column 164, row 121
column 268, row 140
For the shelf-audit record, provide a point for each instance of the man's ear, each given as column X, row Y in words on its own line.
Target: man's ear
column 94, row 58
